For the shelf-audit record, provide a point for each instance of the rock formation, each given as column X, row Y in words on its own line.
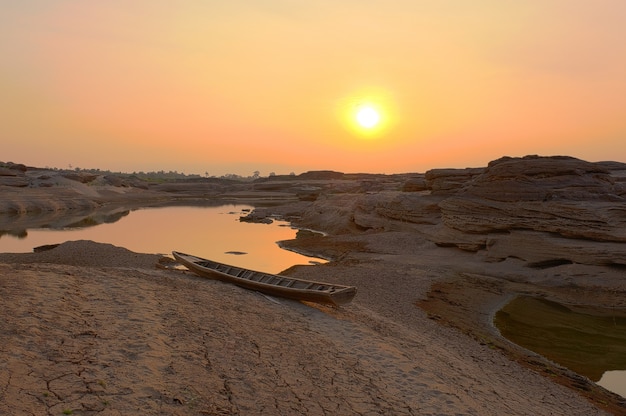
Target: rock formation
column 544, row 211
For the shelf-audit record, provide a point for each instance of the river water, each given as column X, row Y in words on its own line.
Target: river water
column 588, row 340
column 210, row 232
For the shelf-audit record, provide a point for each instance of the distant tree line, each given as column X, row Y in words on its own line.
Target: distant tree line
column 161, row 175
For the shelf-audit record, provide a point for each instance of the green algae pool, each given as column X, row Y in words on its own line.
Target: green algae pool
column 588, row 340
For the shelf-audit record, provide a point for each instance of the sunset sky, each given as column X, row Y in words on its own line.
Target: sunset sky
column 273, row 85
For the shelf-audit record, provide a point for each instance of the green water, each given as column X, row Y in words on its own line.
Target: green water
column 589, row 341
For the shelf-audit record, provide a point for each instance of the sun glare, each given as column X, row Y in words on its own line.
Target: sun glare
column 367, row 117
column 368, row 114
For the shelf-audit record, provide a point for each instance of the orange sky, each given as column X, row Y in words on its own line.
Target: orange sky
column 233, row 87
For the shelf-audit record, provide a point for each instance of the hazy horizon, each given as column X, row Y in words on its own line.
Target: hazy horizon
column 274, row 86
column 261, row 173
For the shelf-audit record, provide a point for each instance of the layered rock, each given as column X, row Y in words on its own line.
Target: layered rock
column 545, row 211
column 560, row 195
column 12, row 177
column 541, row 250
column 450, row 181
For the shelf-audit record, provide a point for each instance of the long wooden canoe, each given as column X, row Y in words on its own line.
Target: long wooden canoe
column 271, row 284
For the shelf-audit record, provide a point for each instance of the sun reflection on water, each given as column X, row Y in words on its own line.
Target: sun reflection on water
column 210, row 232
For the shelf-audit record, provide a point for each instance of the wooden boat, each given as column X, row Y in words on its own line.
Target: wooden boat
column 270, row 284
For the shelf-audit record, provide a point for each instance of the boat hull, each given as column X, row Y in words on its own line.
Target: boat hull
column 270, row 284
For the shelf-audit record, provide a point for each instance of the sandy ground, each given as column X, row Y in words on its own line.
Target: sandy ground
column 92, row 329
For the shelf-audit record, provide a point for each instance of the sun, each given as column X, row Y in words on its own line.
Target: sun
column 367, row 116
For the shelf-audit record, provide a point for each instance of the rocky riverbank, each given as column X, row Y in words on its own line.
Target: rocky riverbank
column 96, row 329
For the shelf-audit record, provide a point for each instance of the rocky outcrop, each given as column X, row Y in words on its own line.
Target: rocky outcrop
column 12, row 177
column 542, row 179
column 416, row 184
column 450, row 181
column 541, row 250
column 321, row 175
column 544, row 211
column 540, row 211
column 560, row 195
column 255, row 217
column 374, row 211
column 14, row 181
column 7, row 172
column 80, row 177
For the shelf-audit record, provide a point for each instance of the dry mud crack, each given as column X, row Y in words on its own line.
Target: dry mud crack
column 131, row 340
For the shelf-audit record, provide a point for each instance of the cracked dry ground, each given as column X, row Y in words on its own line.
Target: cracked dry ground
column 98, row 341
column 119, row 341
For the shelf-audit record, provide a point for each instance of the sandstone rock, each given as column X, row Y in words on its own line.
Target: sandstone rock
column 19, row 167
column 600, row 221
column 450, row 181
column 416, row 184
column 308, row 193
column 613, row 166
column 561, row 195
column 7, row 172
column 199, row 188
column 256, row 217
column 321, row 175
column 382, row 210
column 14, row 181
column 274, row 186
column 13, row 177
column 332, row 213
column 80, row 177
column 541, row 250
column 448, row 237
column 534, row 178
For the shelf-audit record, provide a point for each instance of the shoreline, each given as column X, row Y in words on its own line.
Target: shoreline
column 101, row 328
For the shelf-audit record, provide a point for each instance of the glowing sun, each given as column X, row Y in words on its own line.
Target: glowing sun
column 367, row 117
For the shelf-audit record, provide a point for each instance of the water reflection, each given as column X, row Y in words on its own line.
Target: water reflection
column 589, row 341
column 18, row 224
column 210, row 232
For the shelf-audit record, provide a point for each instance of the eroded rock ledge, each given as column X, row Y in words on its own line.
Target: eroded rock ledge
column 542, row 211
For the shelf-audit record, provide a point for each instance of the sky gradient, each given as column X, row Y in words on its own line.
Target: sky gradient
column 272, row 85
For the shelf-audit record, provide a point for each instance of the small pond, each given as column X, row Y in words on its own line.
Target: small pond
column 210, row 232
column 589, row 341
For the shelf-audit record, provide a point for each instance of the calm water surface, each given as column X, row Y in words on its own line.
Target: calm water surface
column 589, row 341
column 209, row 232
